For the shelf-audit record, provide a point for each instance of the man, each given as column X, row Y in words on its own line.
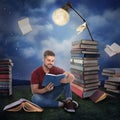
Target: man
column 47, row 96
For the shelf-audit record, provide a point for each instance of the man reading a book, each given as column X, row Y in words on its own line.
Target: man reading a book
column 47, row 96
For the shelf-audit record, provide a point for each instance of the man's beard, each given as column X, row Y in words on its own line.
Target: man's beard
column 47, row 66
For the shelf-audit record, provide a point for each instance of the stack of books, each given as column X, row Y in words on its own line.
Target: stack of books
column 112, row 84
column 6, row 77
column 85, row 67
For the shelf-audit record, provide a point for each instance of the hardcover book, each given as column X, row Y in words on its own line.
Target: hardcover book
column 114, row 79
column 85, row 42
column 82, row 61
column 82, row 68
column 111, row 70
column 24, row 104
column 98, row 96
column 55, row 79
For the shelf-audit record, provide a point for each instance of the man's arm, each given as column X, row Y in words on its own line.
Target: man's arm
column 36, row 90
column 69, row 77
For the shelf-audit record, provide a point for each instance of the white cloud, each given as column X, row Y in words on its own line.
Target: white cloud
column 97, row 21
column 38, row 29
column 28, row 52
column 113, row 15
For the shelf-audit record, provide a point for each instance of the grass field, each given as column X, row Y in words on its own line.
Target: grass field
column 108, row 109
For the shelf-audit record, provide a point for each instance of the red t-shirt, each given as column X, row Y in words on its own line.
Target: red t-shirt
column 38, row 74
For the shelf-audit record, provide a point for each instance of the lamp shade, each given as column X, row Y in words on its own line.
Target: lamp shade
column 60, row 17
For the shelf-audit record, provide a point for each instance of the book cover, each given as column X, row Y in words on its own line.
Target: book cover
column 55, row 79
column 24, row 104
column 98, row 96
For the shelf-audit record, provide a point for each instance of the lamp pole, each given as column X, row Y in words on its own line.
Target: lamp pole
column 70, row 5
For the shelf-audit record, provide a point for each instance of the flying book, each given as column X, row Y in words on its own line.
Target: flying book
column 22, row 104
column 112, row 50
column 55, row 79
column 81, row 28
column 24, row 26
column 98, row 96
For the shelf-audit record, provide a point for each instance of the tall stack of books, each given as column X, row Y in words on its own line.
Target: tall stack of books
column 85, row 67
column 112, row 84
column 6, row 77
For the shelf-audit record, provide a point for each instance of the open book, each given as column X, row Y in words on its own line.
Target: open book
column 55, row 79
column 24, row 104
column 113, row 49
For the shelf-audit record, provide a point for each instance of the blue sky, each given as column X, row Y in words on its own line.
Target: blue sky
column 103, row 18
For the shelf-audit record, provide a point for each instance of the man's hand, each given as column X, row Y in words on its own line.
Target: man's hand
column 69, row 78
column 49, row 87
column 65, row 80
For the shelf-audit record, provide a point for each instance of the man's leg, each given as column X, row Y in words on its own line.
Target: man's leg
column 49, row 99
column 43, row 101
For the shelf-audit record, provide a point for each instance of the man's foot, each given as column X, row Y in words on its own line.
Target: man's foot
column 70, row 105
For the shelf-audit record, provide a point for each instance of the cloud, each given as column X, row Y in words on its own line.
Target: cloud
column 113, row 15
column 28, row 52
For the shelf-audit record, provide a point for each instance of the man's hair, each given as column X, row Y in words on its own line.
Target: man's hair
column 49, row 53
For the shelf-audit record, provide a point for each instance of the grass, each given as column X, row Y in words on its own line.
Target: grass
column 107, row 109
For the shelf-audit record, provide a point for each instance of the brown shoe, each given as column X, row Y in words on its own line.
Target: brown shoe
column 70, row 106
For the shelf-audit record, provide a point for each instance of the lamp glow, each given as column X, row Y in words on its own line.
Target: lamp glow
column 60, row 17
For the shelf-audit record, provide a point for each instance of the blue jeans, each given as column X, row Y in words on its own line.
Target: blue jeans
column 49, row 99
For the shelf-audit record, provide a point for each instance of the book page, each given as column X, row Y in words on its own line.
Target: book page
column 24, row 26
column 16, row 108
column 81, row 28
column 55, row 79
column 30, row 107
column 109, row 51
column 27, row 105
column 14, row 103
column 115, row 47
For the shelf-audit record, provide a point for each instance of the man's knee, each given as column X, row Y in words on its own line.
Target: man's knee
column 36, row 98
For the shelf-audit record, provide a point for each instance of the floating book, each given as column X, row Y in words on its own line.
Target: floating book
column 98, row 96
column 113, row 49
column 24, row 26
column 81, row 28
column 24, row 104
column 55, row 79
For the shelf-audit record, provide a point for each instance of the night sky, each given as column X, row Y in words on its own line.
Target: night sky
column 103, row 18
